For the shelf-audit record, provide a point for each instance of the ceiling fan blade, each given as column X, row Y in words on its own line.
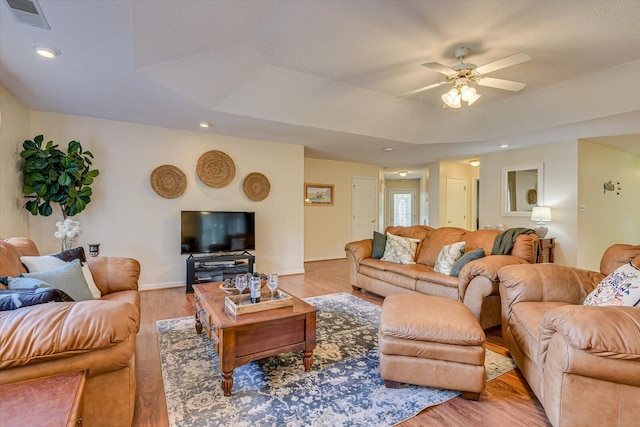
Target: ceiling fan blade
column 421, row 89
column 503, row 63
column 501, row 84
column 436, row 66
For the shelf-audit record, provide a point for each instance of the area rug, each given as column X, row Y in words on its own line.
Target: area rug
column 344, row 387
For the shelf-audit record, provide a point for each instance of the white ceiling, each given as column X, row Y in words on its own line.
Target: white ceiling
column 326, row 74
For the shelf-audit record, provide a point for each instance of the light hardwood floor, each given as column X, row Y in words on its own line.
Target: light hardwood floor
column 507, row 400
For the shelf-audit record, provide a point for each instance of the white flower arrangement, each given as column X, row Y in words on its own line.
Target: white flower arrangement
column 67, row 232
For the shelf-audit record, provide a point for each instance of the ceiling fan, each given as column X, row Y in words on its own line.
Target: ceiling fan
column 464, row 76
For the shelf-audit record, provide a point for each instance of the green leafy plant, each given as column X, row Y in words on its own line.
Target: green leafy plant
column 53, row 176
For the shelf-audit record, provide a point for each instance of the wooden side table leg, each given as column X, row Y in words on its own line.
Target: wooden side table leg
column 307, row 360
column 227, row 383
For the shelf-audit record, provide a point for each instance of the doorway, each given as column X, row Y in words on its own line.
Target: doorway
column 456, row 204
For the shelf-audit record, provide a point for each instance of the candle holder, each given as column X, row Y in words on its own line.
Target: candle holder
column 94, row 249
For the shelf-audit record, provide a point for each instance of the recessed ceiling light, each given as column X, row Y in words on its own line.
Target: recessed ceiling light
column 205, row 125
column 388, row 149
column 47, row 52
column 504, row 146
column 403, row 173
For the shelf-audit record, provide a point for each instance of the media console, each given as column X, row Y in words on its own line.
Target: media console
column 216, row 268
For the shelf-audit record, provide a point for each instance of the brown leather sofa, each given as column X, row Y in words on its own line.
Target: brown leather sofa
column 98, row 335
column 582, row 362
column 476, row 286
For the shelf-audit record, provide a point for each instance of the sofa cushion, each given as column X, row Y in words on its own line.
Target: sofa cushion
column 401, row 250
column 13, row 299
column 378, row 246
column 448, row 256
column 25, row 283
column 481, row 239
column 400, row 280
column 71, row 254
column 464, row 259
column 420, row 232
column 622, row 287
column 438, row 238
column 68, row 278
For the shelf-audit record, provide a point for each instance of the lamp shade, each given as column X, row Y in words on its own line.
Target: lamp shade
column 541, row 213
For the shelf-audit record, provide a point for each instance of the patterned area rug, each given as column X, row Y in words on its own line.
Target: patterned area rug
column 344, row 387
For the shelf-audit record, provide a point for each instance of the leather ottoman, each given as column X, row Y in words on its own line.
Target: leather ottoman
column 431, row 341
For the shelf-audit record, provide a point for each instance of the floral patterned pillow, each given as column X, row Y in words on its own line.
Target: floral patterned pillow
column 448, row 256
column 622, row 287
column 400, row 250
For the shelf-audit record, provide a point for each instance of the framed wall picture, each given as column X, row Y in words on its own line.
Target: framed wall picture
column 318, row 194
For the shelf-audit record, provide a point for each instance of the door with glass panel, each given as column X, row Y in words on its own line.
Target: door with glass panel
column 402, row 207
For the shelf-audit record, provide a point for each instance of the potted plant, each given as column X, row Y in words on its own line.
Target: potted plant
column 53, row 176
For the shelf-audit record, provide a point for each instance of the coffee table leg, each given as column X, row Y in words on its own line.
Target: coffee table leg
column 198, row 325
column 227, row 382
column 307, row 360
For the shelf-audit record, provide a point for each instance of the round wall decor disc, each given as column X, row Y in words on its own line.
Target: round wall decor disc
column 256, row 186
column 216, row 169
column 168, row 181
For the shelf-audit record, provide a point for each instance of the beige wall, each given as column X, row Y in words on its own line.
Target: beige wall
column 14, row 129
column 560, row 192
column 606, row 218
column 129, row 219
column 328, row 228
column 401, row 184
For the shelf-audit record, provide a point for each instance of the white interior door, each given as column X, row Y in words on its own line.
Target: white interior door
column 402, row 207
column 456, row 205
column 363, row 206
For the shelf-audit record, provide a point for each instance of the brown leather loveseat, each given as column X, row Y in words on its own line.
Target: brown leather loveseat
column 582, row 362
column 98, row 335
column 476, row 286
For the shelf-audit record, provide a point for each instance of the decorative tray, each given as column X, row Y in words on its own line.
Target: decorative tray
column 241, row 304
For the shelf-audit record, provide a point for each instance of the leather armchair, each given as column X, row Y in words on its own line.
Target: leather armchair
column 582, row 362
column 98, row 335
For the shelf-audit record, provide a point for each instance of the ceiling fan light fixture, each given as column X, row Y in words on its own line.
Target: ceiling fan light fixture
column 467, row 93
column 452, row 98
column 474, row 98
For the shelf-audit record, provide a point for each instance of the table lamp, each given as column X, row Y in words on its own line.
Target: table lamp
column 541, row 214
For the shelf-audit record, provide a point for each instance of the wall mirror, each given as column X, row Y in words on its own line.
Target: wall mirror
column 522, row 188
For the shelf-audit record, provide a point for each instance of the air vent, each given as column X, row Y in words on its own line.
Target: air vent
column 28, row 12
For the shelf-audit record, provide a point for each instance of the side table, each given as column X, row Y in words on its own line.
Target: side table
column 546, row 245
column 48, row 401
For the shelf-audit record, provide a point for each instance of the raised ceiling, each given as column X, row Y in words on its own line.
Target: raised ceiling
column 326, row 74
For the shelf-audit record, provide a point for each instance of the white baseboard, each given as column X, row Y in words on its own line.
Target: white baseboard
column 326, row 258
column 154, row 286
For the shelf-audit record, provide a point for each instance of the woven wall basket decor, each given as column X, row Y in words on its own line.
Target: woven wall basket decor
column 216, row 169
column 168, row 181
column 256, row 186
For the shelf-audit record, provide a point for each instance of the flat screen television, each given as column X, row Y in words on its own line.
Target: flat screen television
column 209, row 231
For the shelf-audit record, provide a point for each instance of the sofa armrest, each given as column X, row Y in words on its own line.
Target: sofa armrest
column 611, row 332
column 356, row 252
column 360, row 249
column 544, row 283
column 486, row 267
column 60, row 330
column 114, row 274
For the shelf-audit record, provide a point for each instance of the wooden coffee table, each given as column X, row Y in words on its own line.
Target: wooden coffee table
column 252, row 336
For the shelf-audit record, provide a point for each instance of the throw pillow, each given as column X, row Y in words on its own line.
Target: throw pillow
column 90, row 282
column 621, row 287
column 41, row 263
column 12, row 299
column 379, row 245
column 400, row 250
column 71, row 254
column 26, row 283
column 448, row 256
column 464, row 259
column 68, row 278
